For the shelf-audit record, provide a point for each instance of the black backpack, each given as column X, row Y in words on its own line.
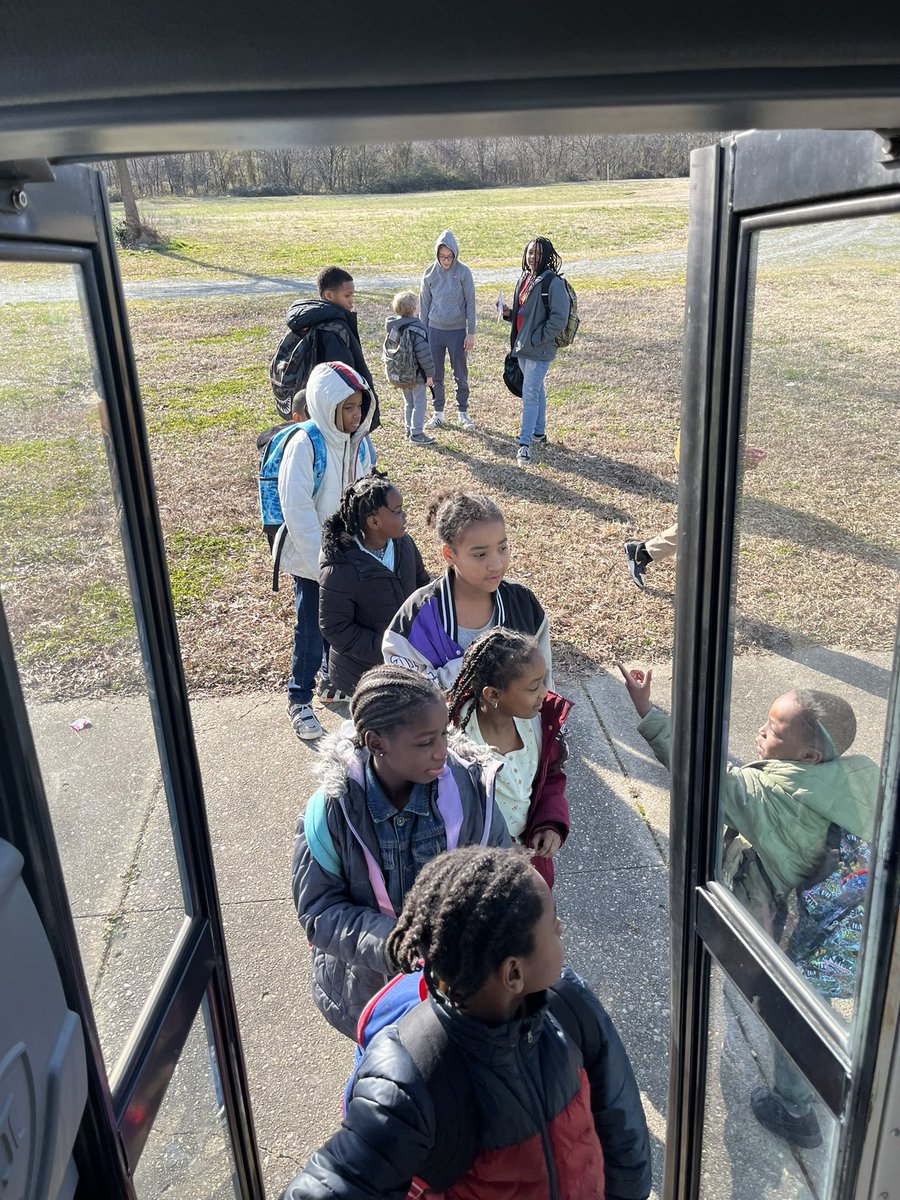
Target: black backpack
column 295, row 358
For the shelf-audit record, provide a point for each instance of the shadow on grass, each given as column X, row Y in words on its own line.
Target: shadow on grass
column 283, row 282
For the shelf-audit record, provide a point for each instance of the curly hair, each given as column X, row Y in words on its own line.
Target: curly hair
column 549, row 260
column 388, row 698
column 451, row 513
column 467, row 911
column 360, row 500
column 496, row 659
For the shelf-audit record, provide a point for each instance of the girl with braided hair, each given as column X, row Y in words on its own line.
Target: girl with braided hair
column 539, row 313
column 501, row 701
column 390, row 800
column 490, row 1072
column 433, row 629
column 369, row 565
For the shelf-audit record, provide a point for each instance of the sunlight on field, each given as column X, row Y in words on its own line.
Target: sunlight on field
column 821, row 514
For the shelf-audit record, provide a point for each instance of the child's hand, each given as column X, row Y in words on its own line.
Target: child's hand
column 429, row 382
column 546, row 843
column 468, row 341
column 637, row 682
column 507, row 312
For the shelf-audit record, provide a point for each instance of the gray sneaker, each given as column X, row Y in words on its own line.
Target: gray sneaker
column 523, row 456
column 466, row 422
column 421, row 439
column 436, row 422
column 304, row 722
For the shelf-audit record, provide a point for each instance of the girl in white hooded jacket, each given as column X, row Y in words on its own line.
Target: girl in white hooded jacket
column 327, row 453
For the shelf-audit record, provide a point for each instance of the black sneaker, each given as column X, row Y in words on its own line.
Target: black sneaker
column 540, row 438
column 638, row 561
column 771, row 1113
column 330, row 693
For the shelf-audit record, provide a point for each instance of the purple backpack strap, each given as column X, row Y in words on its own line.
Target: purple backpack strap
column 376, row 879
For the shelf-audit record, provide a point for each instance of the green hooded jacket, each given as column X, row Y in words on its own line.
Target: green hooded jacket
column 783, row 809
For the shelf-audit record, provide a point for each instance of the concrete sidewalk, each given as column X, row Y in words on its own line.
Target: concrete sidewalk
column 109, row 809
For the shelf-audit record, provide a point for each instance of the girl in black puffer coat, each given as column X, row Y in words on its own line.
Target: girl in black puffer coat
column 369, row 566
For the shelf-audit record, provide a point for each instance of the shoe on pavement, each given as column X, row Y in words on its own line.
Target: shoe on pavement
column 539, row 437
column 436, row 422
column 466, row 422
column 638, row 561
column 523, row 456
column 304, row 722
column 330, row 693
column 771, row 1113
column 421, row 439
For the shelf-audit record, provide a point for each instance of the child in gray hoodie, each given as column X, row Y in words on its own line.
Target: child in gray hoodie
column 447, row 303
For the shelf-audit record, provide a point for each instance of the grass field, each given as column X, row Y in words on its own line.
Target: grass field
column 819, row 536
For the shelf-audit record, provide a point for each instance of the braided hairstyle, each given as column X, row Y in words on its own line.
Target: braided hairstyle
column 388, row 698
column 549, row 260
column 451, row 513
column 467, row 911
column 496, row 659
column 360, row 500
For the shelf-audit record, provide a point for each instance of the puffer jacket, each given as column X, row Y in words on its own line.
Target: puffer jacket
column 545, row 1107
column 358, row 596
column 783, row 810
column 299, row 540
column 334, row 893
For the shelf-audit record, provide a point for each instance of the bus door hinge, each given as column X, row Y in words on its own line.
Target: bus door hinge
column 15, row 174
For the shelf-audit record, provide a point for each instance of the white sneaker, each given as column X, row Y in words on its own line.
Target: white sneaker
column 304, row 722
column 436, row 422
column 466, row 422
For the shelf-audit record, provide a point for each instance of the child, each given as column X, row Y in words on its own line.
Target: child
column 340, row 407
column 334, row 316
column 438, row 623
column 370, row 565
column 779, row 811
column 405, row 305
column 500, row 700
column 388, row 803
column 509, row 1081
column 448, row 310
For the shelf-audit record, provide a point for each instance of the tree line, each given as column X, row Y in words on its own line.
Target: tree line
column 412, row 166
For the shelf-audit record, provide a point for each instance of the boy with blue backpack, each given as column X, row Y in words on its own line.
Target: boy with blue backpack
column 305, row 467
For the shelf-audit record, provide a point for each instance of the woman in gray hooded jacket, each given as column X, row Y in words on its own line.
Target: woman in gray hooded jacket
column 540, row 310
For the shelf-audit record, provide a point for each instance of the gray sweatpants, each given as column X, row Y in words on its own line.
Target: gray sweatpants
column 449, row 341
column 416, row 398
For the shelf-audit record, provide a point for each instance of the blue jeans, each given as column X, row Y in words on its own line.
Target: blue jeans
column 306, row 657
column 534, row 399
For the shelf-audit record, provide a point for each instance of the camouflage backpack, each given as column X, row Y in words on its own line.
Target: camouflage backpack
column 398, row 353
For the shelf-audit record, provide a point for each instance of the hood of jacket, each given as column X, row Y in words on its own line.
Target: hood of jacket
column 447, row 239
column 328, row 386
column 399, row 323
column 304, row 313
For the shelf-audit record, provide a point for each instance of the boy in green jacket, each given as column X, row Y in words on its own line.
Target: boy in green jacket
column 777, row 811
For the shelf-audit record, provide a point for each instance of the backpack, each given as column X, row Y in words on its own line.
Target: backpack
column 567, row 337
column 295, row 358
column 270, row 510
column 825, row 943
column 398, row 353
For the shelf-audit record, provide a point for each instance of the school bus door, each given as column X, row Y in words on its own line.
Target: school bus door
column 790, row 333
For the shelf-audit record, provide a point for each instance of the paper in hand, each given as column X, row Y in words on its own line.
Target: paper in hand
column 499, row 306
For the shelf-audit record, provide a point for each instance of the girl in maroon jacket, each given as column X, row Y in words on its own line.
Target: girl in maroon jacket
column 500, row 699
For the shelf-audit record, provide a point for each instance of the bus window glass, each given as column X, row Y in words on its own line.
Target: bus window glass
column 67, row 601
column 814, row 614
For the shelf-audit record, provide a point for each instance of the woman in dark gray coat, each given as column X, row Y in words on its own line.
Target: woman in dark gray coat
column 369, row 566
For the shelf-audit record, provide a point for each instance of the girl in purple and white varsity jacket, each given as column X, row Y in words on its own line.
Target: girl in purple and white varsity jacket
column 438, row 623
column 390, row 801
